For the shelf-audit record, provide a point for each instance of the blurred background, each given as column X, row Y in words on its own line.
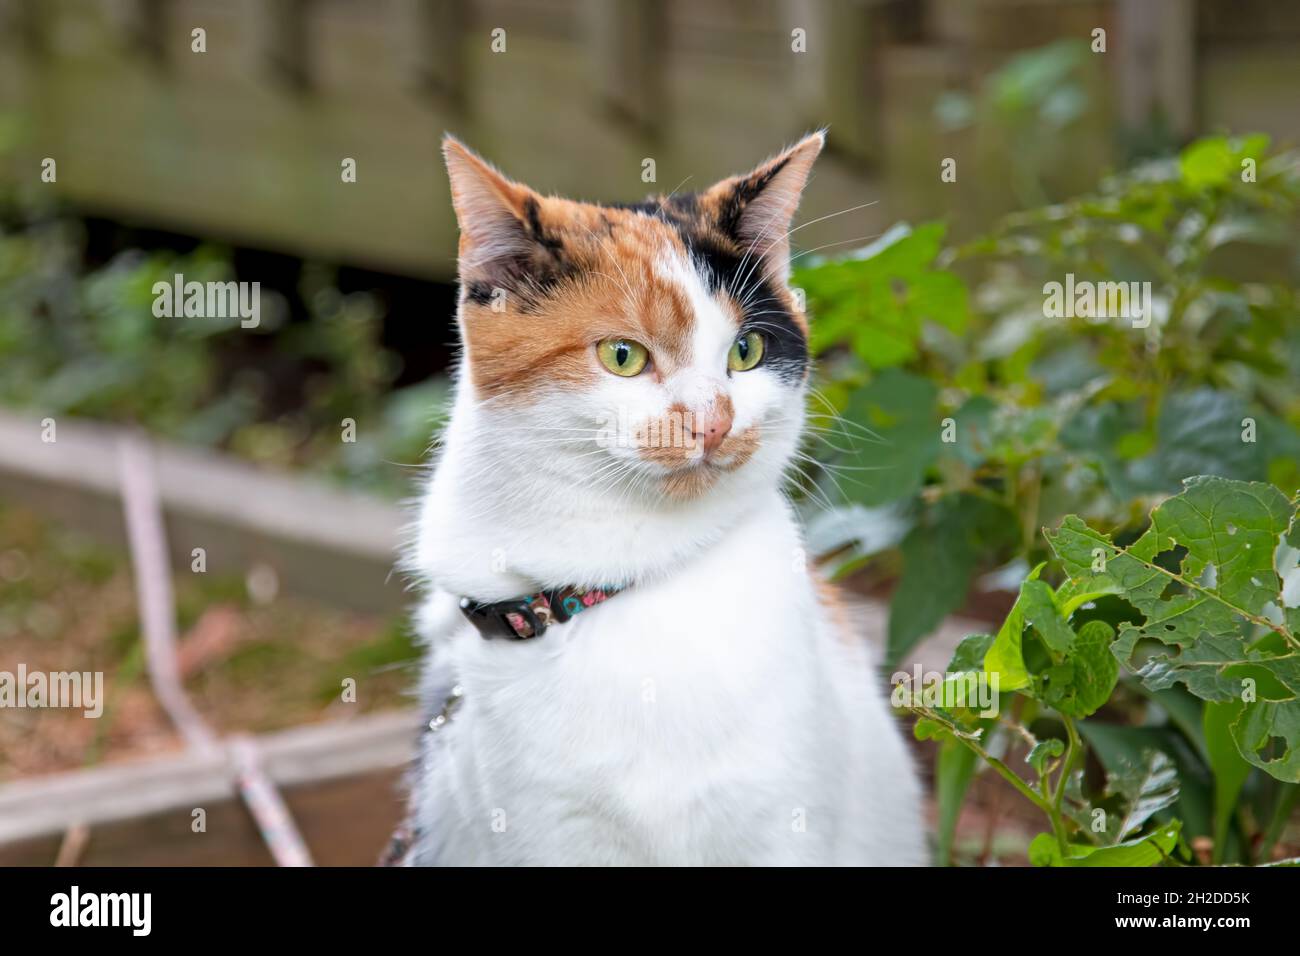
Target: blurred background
column 977, row 149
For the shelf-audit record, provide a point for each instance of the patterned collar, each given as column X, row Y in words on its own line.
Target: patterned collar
column 527, row 617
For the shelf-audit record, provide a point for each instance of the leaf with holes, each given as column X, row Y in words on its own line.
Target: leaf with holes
column 1154, row 848
column 1204, row 579
column 1087, row 676
column 1146, row 788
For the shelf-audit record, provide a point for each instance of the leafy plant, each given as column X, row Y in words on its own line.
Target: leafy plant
column 84, row 341
column 1207, row 585
column 958, row 401
column 1225, row 537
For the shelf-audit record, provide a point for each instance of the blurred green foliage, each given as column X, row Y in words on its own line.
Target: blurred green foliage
column 1212, row 646
column 85, row 342
column 969, row 414
column 965, row 416
column 1029, row 118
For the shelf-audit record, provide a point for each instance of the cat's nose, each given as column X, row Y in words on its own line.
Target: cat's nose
column 712, row 427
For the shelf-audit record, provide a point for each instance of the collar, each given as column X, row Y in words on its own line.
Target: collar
column 526, row 617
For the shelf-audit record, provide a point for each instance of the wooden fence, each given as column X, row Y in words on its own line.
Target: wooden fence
column 245, row 142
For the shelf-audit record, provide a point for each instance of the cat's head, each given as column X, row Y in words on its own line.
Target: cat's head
column 651, row 350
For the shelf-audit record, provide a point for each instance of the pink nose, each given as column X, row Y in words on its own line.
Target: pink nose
column 712, row 427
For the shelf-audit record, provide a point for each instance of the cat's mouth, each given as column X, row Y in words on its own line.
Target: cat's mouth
column 691, row 471
column 692, row 454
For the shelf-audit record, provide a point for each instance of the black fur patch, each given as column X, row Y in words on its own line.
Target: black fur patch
column 552, row 244
column 726, row 269
column 529, row 276
column 478, row 292
column 745, row 192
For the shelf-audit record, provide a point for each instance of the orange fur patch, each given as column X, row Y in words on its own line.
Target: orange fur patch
column 614, row 291
column 831, row 597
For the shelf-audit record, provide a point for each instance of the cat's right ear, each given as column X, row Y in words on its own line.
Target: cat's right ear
column 490, row 208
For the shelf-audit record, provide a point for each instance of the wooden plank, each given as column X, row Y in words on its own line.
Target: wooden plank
column 1014, row 24
column 852, row 33
column 1247, row 22
column 323, row 542
column 430, row 37
column 345, row 821
column 1251, row 88
column 210, row 148
column 1156, row 44
column 44, row 807
column 283, row 47
column 627, row 46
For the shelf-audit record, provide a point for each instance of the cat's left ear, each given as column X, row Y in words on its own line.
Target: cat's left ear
column 756, row 209
column 491, row 209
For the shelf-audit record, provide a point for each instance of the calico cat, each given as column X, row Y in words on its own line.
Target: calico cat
column 628, row 661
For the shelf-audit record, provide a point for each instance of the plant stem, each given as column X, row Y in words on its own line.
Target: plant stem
column 1003, row 770
column 1073, row 748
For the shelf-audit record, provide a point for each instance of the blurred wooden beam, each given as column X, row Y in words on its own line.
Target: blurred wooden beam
column 24, row 25
column 47, row 808
column 283, row 41
column 143, row 28
column 627, row 42
column 328, row 544
column 430, row 39
column 1156, row 45
column 853, row 32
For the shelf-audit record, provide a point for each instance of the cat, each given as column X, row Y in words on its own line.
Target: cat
column 628, row 401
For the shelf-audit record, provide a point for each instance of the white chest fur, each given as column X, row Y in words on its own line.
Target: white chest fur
column 712, row 716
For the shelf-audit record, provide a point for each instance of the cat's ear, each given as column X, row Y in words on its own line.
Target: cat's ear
column 490, row 208
column 756, row 209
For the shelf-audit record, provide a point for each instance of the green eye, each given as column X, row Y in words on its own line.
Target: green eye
column 622, row 356
column 745, row 352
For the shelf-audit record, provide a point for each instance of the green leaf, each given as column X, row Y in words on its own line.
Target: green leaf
column 1225, row 585
column 1230, row 769
column 1216, row 160
column 939, row 556
column 1146, row 788
column 1044, row 851
column 899, row 410
column 1005, row 656
column 969, row 655
column 878, row 299
column 1092, row 673
column 936, row 576
column 1118, row 746
column 1069, row 598
column 1044, row 752
column 973, row 432
column 927, row 729
column 1267, row 735
column 1230, row 530
column 1149, row 850
column 1199, row 432
column 953, row 770
column 1185, row 711
column 1041, row 611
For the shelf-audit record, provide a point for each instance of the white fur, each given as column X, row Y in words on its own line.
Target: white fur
column 710, row 713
